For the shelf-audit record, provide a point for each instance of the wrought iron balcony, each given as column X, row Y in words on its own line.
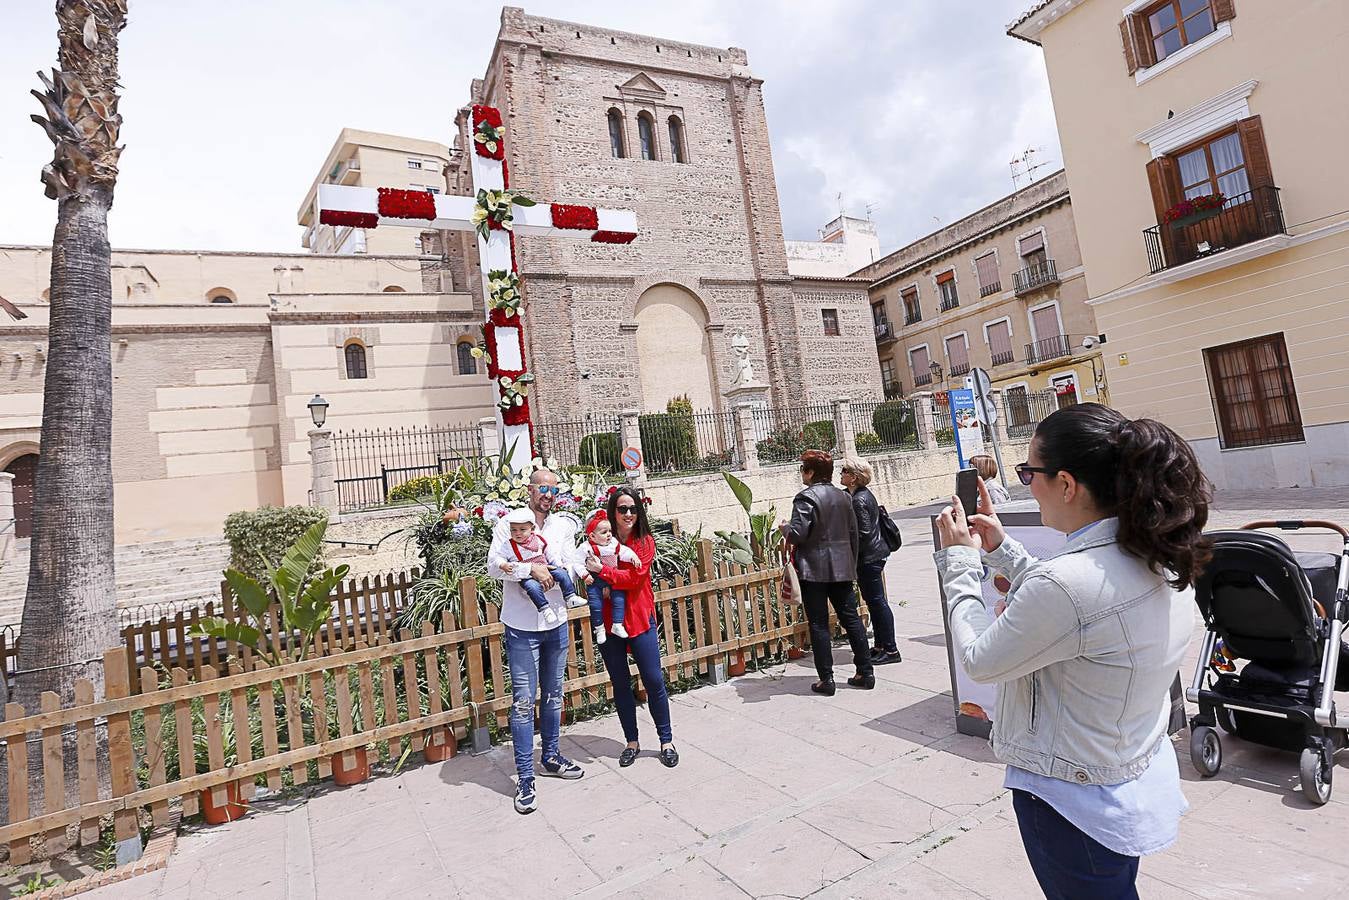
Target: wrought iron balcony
column 921, row 380
column 994, row 288
column 1049, row 348
column 1243, row 219
column 893, row 390
column 913, row 318
column 1032, row 278
column 1003, row 358
column 958, row 369
column 884, row 332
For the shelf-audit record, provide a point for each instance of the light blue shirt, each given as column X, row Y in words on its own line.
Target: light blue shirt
column 1133, row 818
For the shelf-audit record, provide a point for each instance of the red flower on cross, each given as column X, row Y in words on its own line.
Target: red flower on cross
column 395, row 203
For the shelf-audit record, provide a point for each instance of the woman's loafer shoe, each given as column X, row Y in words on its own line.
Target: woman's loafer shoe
column 669, row 757
column 628, row 756
column 823, row 687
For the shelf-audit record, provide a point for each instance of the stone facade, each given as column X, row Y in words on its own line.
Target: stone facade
column 710, row 255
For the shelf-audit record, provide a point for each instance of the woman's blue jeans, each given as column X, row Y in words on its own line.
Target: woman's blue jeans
column 645, row 649
column 871, row 584
column 537, row 662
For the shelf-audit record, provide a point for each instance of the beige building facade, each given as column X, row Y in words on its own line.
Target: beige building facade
column 372, row 159
column 1203, row 141
column 1002, row 289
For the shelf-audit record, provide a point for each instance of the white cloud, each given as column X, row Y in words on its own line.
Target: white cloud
column 915, row 106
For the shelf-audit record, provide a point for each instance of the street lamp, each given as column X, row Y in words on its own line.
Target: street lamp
column 936, row 371
column 318, row 410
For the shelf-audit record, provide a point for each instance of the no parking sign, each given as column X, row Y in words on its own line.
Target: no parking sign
column 632, row 459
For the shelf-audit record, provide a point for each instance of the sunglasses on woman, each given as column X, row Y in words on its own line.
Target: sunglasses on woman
column 628, row 510
column 1026, row 472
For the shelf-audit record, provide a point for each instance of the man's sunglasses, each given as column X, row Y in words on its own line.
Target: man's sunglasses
column 628, row 510
column 548, row 490
column 1026, row 472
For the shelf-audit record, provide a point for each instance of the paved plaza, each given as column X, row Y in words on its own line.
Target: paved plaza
column 779, row 793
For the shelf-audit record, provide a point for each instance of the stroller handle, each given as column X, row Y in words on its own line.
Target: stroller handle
column 1295, row 525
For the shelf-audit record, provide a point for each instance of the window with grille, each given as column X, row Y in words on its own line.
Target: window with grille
column 912, row 311
column 467, row 364
column 999, row 343
column 986, row 267
column 920, row 365
column 946, row 287
column 616, row 134
column 355, row 355
column 646, row 136
column 830, row 317
column 958, row 355
column 1254, row 397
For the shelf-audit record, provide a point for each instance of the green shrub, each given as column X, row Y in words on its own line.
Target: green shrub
column 669, row 441
column 946, row 437
column 819, row 435
column 600, row 450
column 416, row 488
column 893, row 423
column 783, row 445
column 868, row 441
column 259, row 538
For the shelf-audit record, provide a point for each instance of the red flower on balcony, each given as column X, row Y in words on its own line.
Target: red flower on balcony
column 1195, row 205
column 396, row 203
column 580, row 218
column 613, row 237
column 344, row 217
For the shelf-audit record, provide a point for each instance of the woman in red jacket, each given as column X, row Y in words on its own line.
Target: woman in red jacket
column 627, row 515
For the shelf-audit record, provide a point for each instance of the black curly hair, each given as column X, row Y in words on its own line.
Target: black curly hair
column 1142, row 472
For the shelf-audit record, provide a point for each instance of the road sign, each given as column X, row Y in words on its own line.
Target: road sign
column 632, row 459
column 981, row 385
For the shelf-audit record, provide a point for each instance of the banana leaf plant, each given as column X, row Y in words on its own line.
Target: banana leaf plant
column 746, row 548
column 305, row 602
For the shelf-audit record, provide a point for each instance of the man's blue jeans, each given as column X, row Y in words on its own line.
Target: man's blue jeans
column 537, row 661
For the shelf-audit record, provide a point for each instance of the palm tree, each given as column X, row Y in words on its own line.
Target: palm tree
column 70, row 614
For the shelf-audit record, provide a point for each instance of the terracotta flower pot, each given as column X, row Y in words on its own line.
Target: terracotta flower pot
column 446, row 749
column 355, row 773
column 233, row 808
column 795, row 652
column 737, row 666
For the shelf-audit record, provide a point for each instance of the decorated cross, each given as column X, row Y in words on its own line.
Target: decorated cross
column 497, row 214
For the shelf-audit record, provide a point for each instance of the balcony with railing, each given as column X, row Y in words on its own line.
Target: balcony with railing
column 1045, row 349
column 1035, row 277
column 885, row 333
column 1243, row 219
column 958, row 369
column 913, row 317
column 1002, row 357
column 993, row 288
column 921, row 379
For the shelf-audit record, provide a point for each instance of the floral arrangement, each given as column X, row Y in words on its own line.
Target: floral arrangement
column 580, row 218
column 613, row 237
column 1195, row 205
column 488, row 132
column 342, row 217
column 494, row 210
column 514, row 391
column 396, row 203
column 503, row 289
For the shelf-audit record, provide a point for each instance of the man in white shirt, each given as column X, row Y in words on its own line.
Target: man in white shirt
column 535, row 650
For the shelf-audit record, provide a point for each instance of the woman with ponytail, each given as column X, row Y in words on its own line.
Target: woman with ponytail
column 1089, row 641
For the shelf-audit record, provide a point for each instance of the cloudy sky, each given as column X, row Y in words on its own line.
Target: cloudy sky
column 915, row 107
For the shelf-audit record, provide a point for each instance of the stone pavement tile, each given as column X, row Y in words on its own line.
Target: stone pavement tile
column 331, row 801
column 724, row 802
column 203, row 874
column 694, row 878
column 461, row 838
column 875, row 820
column 613, row 845
column 870, row 743
column 920, row 712
column 789, row 858
column 916, row 673
column 914, row 880
column 796, row 767
column 346, row 828
column 1232, row 861
column 407, row 867
column 654, row 779
column 474, row 783
column 1283, row 817
column 599, row 795
column 138, row 888
column 956, row 779
column 546, row 867
column 988, row 860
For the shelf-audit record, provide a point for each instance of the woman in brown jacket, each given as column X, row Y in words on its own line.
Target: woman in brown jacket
column 823, row 534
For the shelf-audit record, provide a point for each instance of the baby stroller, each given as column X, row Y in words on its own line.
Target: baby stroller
column 1283, row 613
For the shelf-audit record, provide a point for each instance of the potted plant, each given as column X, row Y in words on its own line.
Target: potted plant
column 1194, row 210
column 440, row 744
column 235, row 804
column 737, row 666
column 350, row 766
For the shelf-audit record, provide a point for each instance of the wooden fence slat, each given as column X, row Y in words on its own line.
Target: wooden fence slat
column 53, row 773
column 377, row 605
column 468, row 597
column 165, row 659
column 267, row 722
column 344, row 614
column 128, row 641
column 318, row 697
column 215, row 740
column 193, row 620
column 369, row 714
column 412, row 688
column 87, row 762
column 343, row 685
column 494, row 654
column 17, row 763
column 212, row 645
column 187, row 747
column 453, row 664
column 180, row 643
column 365, row 621
column 121, row 755
column 154, row 743
column 243, row 730
column 292, row 690
column 431, row 659
column 390, row 690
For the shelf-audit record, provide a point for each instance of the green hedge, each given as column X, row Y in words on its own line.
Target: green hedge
column 669, row 441
column 415, row 488
column 259, row 538
column 600, row 450
column 868, row 441
column 893, row 423
column 819, row 435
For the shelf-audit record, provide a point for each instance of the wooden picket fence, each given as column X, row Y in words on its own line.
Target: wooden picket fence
column 365, row 610
column 452, row 674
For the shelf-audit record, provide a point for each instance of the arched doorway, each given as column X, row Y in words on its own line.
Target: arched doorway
column 24, row 470
column 674, row 353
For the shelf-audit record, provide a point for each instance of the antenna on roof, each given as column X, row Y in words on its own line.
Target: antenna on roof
column 870, row 208
column 1025, row 166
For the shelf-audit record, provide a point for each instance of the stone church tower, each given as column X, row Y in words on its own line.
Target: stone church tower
column 676, row 132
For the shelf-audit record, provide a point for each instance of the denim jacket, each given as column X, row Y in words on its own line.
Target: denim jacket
column 1084, row 654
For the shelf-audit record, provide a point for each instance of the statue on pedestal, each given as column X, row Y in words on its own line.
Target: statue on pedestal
column 744, row 369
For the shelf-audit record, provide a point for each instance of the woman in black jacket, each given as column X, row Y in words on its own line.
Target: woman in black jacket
column 823, row 532
column 872, row 553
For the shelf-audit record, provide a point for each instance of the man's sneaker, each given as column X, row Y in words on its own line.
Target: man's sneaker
column 525, row 799
column 561, row 767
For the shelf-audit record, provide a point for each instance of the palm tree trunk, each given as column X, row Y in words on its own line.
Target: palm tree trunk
column 70, row 613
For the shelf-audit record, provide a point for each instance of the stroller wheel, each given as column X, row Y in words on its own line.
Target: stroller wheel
column 1206, row 751
column 1226, row 721
column 1315, row 769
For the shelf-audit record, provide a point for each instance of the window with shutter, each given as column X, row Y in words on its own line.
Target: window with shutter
column 1045, row 321
column 920, row 365
column 912, row 311
column 1032, row 249
column 986, row 267
column 830, row 319
column 1254, row 397
column 958, row 355
column 946, row 287
column 1173, row 24
column 999, row 343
